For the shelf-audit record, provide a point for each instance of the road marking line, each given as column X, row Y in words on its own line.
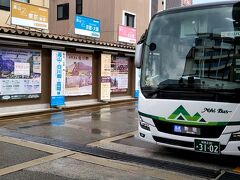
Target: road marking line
column 127, row 149
column 32, row 145
column 34, row 162
column 221, row 173
column 111, row 139
column 132, row 168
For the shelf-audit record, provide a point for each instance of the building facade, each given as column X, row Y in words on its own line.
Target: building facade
column 156, row 6
column 35, row 47
column 177, row 3
column 111, row 13
column 32, row 77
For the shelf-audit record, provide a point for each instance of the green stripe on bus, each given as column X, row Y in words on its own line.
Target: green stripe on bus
column 189, row 122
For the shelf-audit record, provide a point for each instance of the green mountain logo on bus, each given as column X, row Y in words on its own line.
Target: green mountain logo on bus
column 181, row 114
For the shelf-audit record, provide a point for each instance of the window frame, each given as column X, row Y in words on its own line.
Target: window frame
column 124, row 22
column 79, row 4
column 6, row 8
column 65, row 11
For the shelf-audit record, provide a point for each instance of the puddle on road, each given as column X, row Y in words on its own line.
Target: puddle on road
column 102, row 132
column 35, row 125
column 104, row 122
column 54, row 120
column 96, row 131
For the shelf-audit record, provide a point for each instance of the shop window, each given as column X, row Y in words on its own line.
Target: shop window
column 5, row 5
column 79, row 6
column 119, row 74
column 63, row 11
column 129, row 19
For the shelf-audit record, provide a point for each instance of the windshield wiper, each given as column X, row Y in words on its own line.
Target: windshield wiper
column 185, row 83
column 190, row 81
column 162, row 89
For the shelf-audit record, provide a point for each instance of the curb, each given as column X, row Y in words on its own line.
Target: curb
column 62, row 109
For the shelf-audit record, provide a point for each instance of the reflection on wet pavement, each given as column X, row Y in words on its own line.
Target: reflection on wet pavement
column 81, row 126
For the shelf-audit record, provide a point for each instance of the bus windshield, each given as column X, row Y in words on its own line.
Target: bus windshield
column 193, row 54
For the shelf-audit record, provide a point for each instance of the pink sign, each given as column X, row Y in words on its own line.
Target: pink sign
column 127, row 34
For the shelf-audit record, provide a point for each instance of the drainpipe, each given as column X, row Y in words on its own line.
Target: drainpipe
column 150, row 10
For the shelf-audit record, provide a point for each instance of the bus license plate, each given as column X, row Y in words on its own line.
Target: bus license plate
column 207, row 146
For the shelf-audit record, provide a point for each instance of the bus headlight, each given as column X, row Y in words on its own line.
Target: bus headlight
column 144, row 125
column 235, row 136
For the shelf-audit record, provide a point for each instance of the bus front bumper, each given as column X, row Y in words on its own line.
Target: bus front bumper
column 228, row 144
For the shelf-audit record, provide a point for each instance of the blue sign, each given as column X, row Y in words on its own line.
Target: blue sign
column 58, row 78
column 87, row 26
column 57, row 101
column 136, row 93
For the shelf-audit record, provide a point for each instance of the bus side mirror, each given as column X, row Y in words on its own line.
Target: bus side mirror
column 138, row 55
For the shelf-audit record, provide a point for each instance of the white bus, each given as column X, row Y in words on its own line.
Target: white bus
column 190, row 78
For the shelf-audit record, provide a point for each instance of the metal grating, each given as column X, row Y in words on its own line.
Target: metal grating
column 109, row 154
column 229, row 176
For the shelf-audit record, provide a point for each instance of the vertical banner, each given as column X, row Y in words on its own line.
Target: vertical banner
column 58, row 78
column 105, row 77
column 78, row 74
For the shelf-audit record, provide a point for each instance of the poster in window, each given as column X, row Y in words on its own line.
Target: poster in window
column 78, row 74
column 119, row 74
column 20, row 73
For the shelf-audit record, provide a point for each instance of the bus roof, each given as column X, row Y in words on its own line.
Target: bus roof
column 196, row 6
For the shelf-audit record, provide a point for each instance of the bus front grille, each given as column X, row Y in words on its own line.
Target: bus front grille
column 173, row 142
column 179, row 143
column 205, row 131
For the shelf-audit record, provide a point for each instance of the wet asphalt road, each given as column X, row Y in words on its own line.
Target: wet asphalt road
column 80, row 126
column 87, row 126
